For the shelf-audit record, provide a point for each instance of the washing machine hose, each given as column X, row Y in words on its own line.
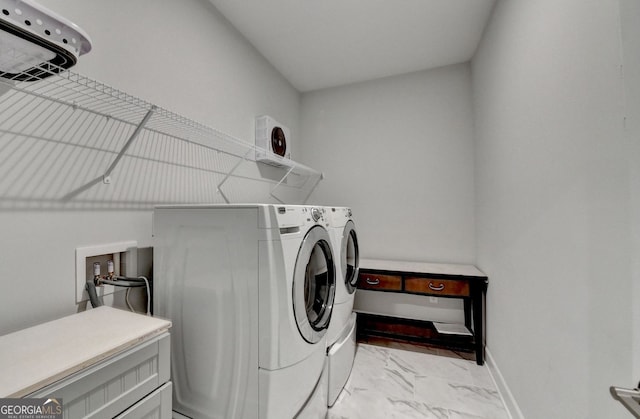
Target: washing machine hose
column 93, row 294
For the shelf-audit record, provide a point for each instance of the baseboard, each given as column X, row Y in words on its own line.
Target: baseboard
column 507, row 397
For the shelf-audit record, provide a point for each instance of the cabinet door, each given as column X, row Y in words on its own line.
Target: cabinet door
column 111, row 386
column 156, row 405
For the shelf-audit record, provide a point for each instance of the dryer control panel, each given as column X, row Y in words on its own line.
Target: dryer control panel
column 299, row 215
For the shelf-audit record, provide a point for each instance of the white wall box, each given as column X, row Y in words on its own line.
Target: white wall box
column 128, row 250
column 275, row 138
column 102, row 363
column 75, row 142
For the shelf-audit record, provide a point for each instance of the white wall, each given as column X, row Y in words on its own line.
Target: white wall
column 630, row 13
column 399, row 151
column 553, row 205
column 180, row 55
column 183, row 56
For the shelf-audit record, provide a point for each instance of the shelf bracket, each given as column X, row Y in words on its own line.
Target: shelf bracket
column 280, row 183
column 630, row 398
column 106, row 178
column 230, row 173
column 313, row 188
column 306, row 198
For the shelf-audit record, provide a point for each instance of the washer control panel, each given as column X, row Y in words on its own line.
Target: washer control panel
column 316, row 214
column 299, row 215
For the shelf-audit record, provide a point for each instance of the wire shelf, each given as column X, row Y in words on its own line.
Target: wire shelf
column 67, row 141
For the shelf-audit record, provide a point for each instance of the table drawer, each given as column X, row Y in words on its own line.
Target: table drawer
column 375, row 281
column 437, row 286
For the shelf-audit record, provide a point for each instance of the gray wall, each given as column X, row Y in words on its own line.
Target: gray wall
column 630, row 13
column 399, row 151
column 184, row 56
column 180, row 55
column 554, row 204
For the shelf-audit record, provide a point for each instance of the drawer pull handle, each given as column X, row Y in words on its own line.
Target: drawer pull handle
column 373, row 281
column 436, row 288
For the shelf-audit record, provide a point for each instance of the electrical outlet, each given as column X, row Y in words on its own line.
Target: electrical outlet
column 124, row 256
column 433, row 300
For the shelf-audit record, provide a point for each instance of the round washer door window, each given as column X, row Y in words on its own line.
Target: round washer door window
column 350, row 257
column 314, row 285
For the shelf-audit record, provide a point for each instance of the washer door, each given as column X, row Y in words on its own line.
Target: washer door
column 314, row 285
column 350, row 255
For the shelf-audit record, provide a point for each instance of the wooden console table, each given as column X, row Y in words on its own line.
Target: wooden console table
column 430, row 279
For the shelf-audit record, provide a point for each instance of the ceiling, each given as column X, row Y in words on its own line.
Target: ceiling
column 324, row 43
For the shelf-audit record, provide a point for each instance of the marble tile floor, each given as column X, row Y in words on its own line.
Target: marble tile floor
column 401, row 380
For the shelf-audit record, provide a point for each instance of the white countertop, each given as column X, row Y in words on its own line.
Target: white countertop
column 421, row 267
column 35, row 357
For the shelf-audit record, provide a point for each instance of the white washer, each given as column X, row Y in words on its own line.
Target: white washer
column 250, row 291
column 341, row 337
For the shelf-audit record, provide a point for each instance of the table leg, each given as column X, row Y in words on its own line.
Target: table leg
column 467, row 313
column 478, row 324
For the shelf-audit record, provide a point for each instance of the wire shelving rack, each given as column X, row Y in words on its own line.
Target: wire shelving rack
column 67, row 141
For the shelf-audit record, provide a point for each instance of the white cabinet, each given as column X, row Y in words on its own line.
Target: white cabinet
column 103, row 363
column 133, row 384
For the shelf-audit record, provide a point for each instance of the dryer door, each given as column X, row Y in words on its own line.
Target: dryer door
column 314, row 285
column 350, row 256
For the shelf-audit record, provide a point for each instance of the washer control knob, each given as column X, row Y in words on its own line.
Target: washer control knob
column 316, row 214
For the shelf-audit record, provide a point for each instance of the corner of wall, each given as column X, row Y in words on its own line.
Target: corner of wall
column 509, row 401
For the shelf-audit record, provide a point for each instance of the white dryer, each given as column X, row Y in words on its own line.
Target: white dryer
column 250, row 291
column 341, row 337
